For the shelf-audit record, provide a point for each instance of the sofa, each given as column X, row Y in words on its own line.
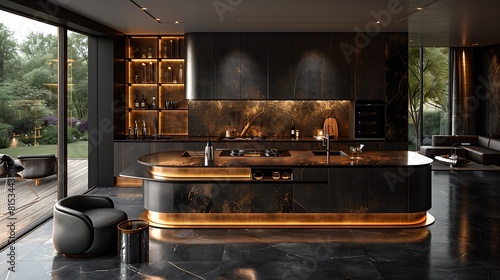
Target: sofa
column 481, row 149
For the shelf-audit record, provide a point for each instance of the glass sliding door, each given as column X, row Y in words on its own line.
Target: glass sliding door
column 77, row 112
column 428, row 96
column 29, row 116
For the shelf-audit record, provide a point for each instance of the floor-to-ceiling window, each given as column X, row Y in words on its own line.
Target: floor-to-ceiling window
column 428, row 96
column 77, row 114
column 29, row 80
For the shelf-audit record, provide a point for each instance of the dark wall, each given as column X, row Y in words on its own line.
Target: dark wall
column 396, row 91
column 487, row 91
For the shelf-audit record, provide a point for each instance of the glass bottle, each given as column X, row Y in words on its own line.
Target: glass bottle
column 136, row 102
column 143, row 102
column 137, row 54
column 292, row 130
column 153, row 103
column 150, row 52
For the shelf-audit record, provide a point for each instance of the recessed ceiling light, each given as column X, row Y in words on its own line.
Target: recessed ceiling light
column 420, row 9
column 378, row 21
column 144, row 9
column 176, row 22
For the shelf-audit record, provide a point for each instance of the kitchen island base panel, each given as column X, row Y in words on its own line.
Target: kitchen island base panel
column 287, row 220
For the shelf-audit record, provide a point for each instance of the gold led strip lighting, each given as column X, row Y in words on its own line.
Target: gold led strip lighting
column 201, row 172
column 290, row 220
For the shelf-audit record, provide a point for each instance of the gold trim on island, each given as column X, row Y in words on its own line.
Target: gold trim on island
column 202, row 172
column 290, row 220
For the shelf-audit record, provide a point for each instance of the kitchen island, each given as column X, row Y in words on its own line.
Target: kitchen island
column 295, row 189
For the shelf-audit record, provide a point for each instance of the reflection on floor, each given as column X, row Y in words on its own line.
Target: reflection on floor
column 464, row 243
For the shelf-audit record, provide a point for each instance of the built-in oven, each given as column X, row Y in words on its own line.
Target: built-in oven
column 369, row 120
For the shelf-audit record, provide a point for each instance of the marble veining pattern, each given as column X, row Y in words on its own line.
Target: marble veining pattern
column 265, row 118
column 462, row 244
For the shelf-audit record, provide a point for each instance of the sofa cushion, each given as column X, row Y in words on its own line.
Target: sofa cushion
column 483, row 155
column 444, row 140
column 483, row 141
column 494, row 144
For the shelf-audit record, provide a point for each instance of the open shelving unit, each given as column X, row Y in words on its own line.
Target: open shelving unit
column 155, row 77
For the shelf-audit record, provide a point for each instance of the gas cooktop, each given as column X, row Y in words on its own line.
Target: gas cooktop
column 255, row 153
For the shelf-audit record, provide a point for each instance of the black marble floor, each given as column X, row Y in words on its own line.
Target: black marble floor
column 463, row 243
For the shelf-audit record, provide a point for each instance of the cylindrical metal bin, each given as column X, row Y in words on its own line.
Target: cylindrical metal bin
column 134, row 241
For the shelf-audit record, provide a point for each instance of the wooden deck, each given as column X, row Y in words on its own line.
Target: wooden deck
column 29, row 208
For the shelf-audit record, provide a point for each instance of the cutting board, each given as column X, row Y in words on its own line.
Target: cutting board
column 330, row 126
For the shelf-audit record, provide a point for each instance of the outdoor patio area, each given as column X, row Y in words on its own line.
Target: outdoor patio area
column 28, row 208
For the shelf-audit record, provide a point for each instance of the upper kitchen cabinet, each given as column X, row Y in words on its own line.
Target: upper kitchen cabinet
column 253, row 57
column 227, row 66
column 307, row 66
column 370, row 66
column 280, row 65
column 200, row 66
column 336, row 66
column 285, row 66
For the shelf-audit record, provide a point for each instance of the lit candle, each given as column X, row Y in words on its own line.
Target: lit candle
column 144, row 80
column 151, row 74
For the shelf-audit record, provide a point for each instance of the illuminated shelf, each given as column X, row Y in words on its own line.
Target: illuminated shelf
column 154, row 70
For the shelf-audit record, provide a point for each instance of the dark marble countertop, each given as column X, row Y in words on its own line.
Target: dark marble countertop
column 298, row 158
column 214, row 139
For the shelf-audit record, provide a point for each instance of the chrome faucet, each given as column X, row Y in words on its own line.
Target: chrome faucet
column 326, row 142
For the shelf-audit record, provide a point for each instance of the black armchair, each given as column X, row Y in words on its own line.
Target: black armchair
column 86, row 226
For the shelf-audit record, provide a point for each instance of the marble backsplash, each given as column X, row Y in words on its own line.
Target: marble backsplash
column 267, row 118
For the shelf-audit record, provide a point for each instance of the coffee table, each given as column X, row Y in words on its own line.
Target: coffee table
column 451, row 160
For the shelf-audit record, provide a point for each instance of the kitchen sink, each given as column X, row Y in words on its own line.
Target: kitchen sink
column 332, row 153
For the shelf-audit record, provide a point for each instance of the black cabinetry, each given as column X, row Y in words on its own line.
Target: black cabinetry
column 273, row 66
column 370, row 68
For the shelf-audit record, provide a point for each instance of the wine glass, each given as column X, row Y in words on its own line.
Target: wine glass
column 352, row 149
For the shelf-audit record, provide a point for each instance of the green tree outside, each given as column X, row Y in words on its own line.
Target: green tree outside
column 435, row 93
column 28, row 86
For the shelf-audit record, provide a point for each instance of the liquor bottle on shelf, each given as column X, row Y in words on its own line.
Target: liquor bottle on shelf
column 136, row 79
column 137, row 54
column 136, row 129
column 150, row 52
column 144, row 130
column 292, row 130
column 136, row 102
column 143, row 55
column 143, row 102
column 153, row 103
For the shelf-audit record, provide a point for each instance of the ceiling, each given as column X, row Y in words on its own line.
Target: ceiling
column 439, row 23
